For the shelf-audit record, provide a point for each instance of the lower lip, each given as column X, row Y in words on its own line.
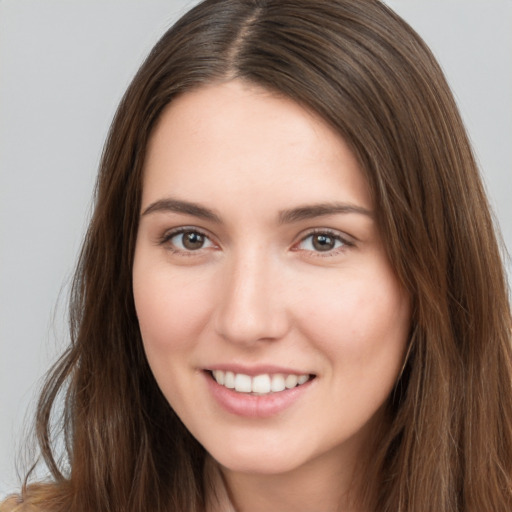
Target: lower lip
column 255, row 406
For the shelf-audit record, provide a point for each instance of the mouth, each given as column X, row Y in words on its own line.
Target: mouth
column 259, row 385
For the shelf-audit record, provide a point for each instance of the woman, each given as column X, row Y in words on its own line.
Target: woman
column 290, row 295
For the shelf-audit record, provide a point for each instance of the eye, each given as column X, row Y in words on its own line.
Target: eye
column 322, row 242
column 187, row 240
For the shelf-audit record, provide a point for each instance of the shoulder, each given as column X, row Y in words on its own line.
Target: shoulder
column 13, row 504
column 17, row 504
column 34, row 498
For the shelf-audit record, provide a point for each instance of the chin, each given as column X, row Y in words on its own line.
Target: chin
column 264, row 460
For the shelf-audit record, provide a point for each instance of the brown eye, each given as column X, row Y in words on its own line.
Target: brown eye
column 188, row 240
column 323, row 242
column 193, row 240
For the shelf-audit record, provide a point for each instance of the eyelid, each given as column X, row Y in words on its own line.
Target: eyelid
column 346, row 240
column 171, row 233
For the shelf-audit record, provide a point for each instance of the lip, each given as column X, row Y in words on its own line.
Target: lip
column 255, row 406
column 252, row 371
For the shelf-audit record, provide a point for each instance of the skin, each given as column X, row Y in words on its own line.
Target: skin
column 259, row 291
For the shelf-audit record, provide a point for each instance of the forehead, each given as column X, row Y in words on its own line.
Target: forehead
column 240, row 136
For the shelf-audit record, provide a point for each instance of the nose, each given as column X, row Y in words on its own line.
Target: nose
column 251, row 306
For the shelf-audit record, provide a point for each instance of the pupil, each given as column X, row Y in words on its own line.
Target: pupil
column 193, row 240
column 323, row 242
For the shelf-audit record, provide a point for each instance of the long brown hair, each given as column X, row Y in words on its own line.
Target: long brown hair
column 448, row 446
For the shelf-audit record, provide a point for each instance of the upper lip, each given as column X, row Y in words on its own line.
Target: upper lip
column 259, row 369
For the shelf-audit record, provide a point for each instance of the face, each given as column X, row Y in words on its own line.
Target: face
column 270, row 315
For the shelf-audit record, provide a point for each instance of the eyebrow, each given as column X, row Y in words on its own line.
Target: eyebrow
column 319, row 210
column 288, row 216
column 186, row 207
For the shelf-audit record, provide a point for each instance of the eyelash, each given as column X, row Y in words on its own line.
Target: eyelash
column 335, row 235
column 168, row 236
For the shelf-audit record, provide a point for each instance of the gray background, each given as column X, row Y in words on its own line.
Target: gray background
column 63, row 68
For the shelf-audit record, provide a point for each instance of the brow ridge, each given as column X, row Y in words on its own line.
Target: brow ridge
column 287, row 216
column 319, row 210
column 170, row 204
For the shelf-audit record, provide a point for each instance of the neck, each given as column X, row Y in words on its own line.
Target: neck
column 312, row 487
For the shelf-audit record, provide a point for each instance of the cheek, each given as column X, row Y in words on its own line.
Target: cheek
column 172, row 308
column 361, row 327
column 360, row 321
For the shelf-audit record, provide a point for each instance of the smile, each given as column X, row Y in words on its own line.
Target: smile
column 262, row 384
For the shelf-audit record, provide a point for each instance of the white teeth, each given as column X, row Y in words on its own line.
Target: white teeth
column 243, row 383
column 219, row 376
column 278, row 383
column 260, row 384
column 302, row 379
column 290, row 381
column 229, row 379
